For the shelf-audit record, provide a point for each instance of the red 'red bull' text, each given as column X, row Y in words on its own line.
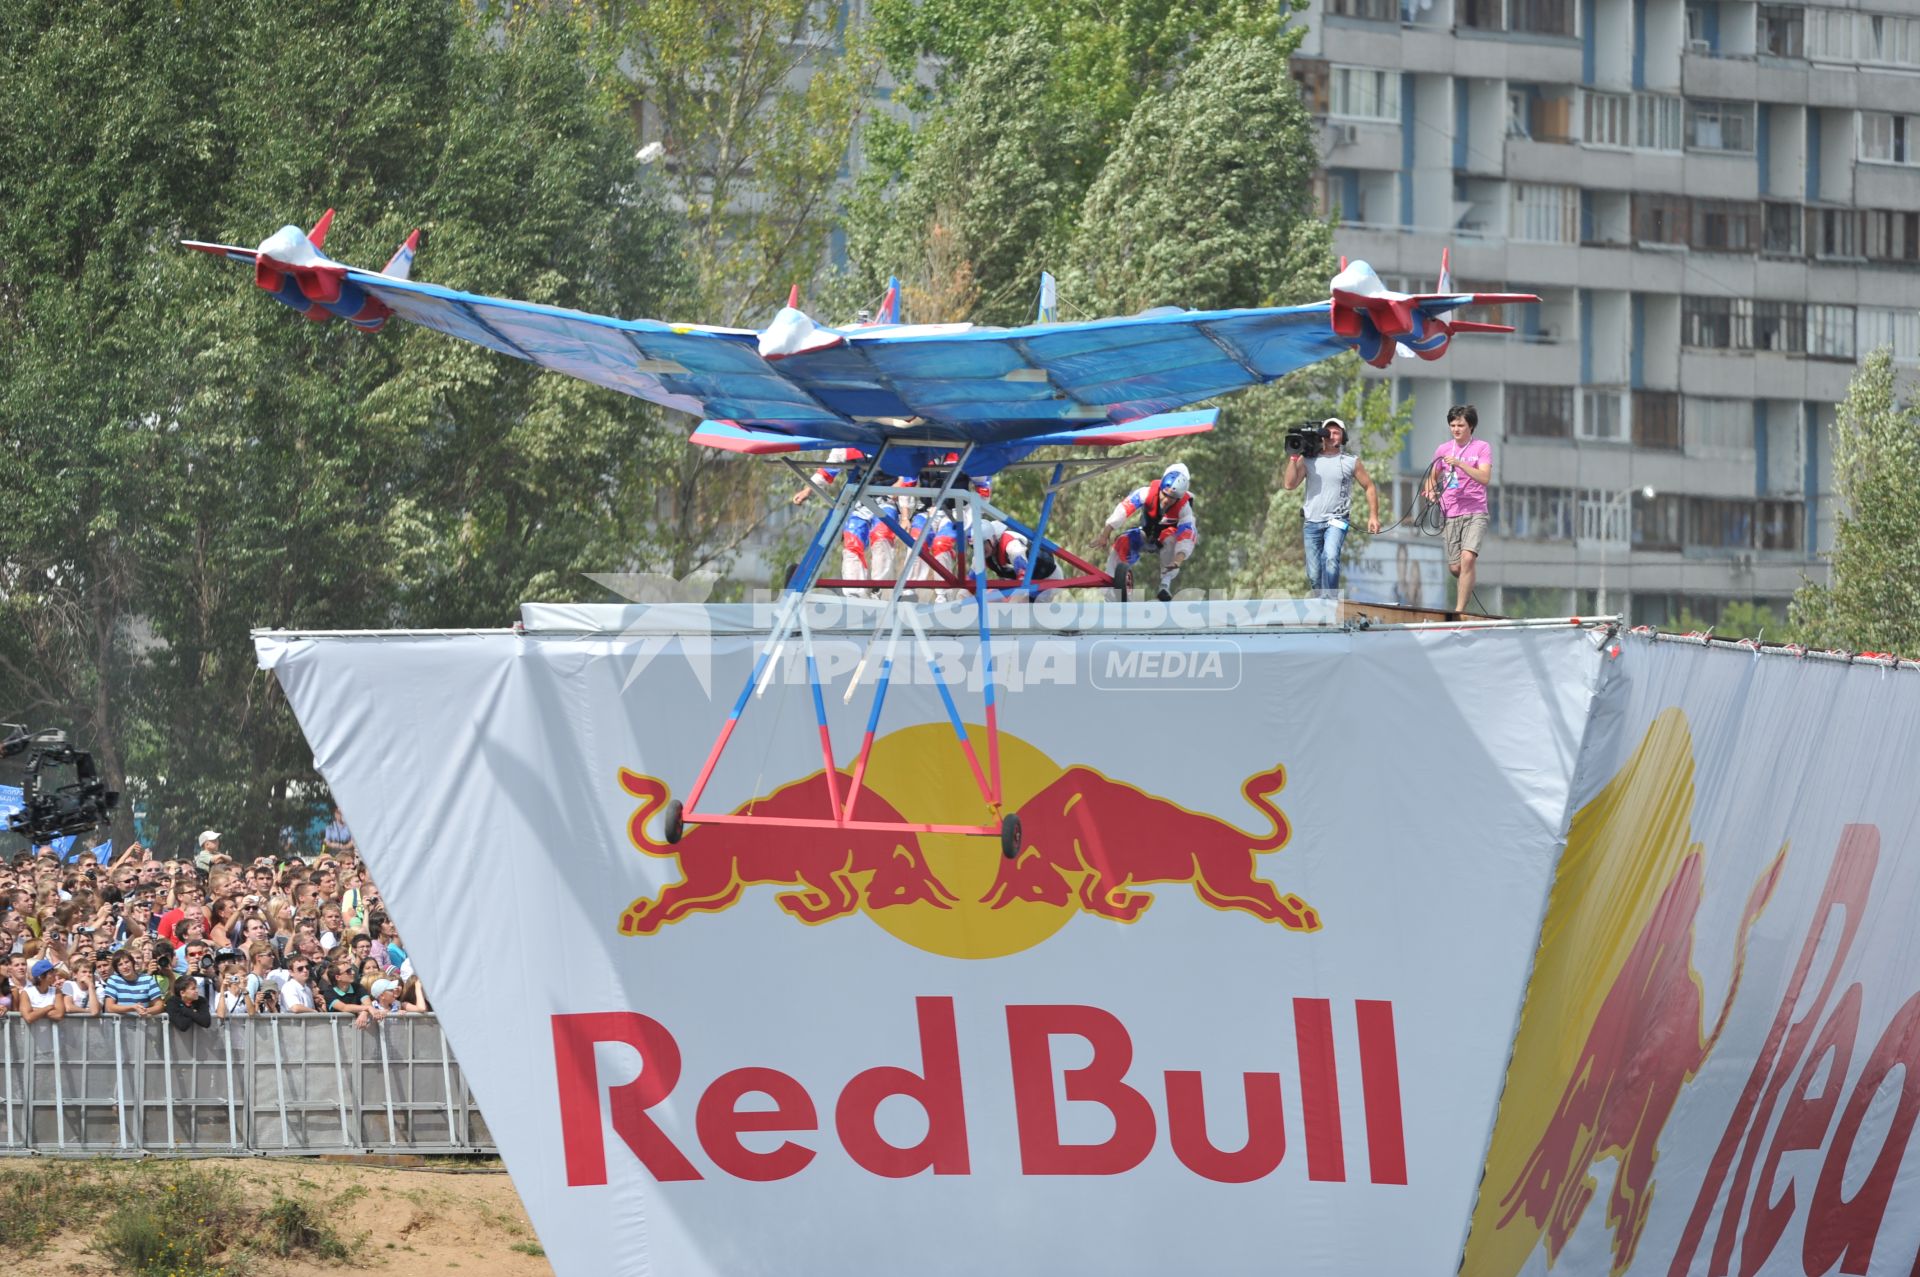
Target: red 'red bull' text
column 1138, row 1112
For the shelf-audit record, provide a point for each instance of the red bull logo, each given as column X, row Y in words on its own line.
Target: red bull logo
column 1091, row 844
column 1614, row 1026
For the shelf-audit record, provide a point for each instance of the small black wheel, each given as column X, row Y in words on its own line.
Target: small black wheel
column 1010, row 835
column 676, row 826
column 1125, row 581
column 1165, row 595
column 786, row 582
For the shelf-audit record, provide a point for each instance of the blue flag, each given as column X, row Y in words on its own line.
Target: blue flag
column 104, row 852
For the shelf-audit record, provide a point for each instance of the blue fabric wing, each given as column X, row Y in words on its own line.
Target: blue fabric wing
column 957, row 384
column 710, row 372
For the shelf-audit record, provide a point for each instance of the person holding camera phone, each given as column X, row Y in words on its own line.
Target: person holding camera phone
column 1329, row 475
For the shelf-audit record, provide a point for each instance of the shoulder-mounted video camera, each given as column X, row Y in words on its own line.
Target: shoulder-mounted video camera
column 51, row 810
column 1307, row 441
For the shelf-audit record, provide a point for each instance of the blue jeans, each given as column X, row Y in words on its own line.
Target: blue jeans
column 1323, row 542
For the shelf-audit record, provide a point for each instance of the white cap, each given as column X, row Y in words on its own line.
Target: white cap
column 207, row 836
column 381, row 986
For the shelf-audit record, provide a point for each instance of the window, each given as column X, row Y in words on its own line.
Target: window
column 1541, row 17
column 1658, row 522
column 1893, row 236
column 1372, row 10
column 1720, row 126
column 1533, row 514
column 1365, row 93
column 1780, row 230
column 1546, row 214
column 1780, row 326
column 1483, row 15
column 1781, row 526
column 1656, row 419
column 1830, row 34
column 1540, row 412
column 1311, row 77
column 1544, row 117
column 1699, row 38
column 1837, row 232
column 1608, row 119
column 1726, row 225
column 1660, row 219
column 1604, row 516
column 1716, row 323
column 1889, row 139
column 1899, row 329
column 1830, row 331
column 1720, row 525
column 1603, row 416
column 1657, row 122
column 1886, row 38
column 1780, row 31
column 1720, row 428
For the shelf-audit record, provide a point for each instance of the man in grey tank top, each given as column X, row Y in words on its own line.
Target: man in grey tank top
column 1330, row 478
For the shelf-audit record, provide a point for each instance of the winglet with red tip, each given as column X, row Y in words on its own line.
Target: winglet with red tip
column 793, row 297
column 400, row 265
column 1445, row 282
column 318, row 235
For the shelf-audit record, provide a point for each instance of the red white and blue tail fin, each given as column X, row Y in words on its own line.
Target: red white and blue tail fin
column 400, row 265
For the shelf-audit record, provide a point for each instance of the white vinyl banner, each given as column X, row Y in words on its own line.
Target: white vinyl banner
column 1718, row 1067
column 1243, row 1003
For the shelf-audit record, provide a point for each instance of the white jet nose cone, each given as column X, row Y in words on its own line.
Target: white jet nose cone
column 290, row 247
column 1359, row 277
column 794, row 332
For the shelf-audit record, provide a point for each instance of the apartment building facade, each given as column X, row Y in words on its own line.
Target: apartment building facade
column 1718, row 202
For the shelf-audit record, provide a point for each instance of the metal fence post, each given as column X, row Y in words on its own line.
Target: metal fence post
column 120, row 1075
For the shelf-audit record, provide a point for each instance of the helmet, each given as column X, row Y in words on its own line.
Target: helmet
column 1174, row 483
column 983, row 486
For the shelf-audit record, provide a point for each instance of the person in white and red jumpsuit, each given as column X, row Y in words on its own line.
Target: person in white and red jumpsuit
column 1168, row 526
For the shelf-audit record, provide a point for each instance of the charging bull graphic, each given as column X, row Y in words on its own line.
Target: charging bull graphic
column 1645, row 1045
column 1088, row 837
column 1614, row 1025
column 718, row 862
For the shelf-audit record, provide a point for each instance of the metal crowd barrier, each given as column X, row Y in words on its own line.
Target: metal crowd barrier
column 274, row 1085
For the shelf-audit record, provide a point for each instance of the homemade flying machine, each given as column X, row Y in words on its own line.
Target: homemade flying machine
column 929, row 401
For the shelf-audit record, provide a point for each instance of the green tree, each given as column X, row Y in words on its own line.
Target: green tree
column 990, row 198
column 1873, row 602
column 1028, row 102
column 1207, row 198
column 202, row 462
column 752, row 107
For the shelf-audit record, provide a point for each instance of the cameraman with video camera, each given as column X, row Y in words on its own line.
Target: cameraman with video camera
column 1318, row 457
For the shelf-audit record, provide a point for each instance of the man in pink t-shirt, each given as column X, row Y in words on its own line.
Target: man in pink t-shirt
column 1457, row 478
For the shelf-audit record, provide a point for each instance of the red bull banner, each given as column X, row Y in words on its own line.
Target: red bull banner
column 1241, row 1000
column 1717, row 1069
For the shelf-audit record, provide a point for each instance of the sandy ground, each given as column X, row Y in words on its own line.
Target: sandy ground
column 409, row 1220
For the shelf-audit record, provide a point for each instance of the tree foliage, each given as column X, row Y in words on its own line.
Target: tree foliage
column 201, row 462
column 1873, row 602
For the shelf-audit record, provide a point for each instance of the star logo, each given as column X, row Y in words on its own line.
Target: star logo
column 674, row 612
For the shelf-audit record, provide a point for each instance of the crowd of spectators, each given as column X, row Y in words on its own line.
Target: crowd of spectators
column 204, row 938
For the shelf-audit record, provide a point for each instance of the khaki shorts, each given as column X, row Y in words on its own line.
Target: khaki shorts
column 1464, row 532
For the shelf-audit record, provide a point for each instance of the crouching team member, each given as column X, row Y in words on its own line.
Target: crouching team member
column 1007, row 554
column 1168, row 526
column 858, row 545
column 947, row 534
